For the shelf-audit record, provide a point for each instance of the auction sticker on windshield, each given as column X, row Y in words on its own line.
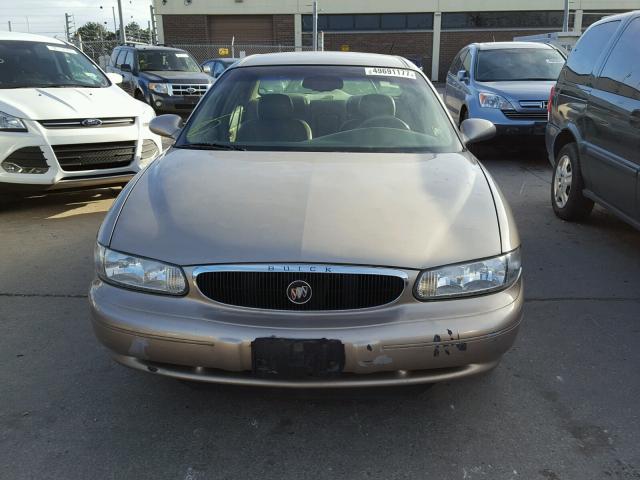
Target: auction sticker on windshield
column 389, row 72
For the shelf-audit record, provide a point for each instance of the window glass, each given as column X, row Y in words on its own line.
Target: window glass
column 456, row 65
column 257, row 108
column 524, row 19
column 420, row 21
column 340, row 22
column 114, row 56
column 367, row 22
column 466, row 62
column 121, row 55
column 513, row 64
column 37, row 64
column 129, row 59
column 394, row 21
column 166, row 60
column 585, row 54
column 621, row 74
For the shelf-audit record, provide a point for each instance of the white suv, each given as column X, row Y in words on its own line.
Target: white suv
column 64, row 123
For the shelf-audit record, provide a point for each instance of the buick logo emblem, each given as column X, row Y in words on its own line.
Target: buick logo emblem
column 91, row 122
column 191, row 90
column 299, row 292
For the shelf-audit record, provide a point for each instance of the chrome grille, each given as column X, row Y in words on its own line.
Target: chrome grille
column 77, row 123
column 182, row 90
column 332, row 287
column 515, row 115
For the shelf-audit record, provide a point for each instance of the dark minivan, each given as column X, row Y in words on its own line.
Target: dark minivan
column 168, row 79
column 593, row 134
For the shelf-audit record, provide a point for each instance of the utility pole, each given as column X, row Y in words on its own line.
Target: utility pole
column 153, row 30
column 68, row 25
column 115, row 25
column 28, row 28
column 9, row 22
column 315, row 25
column 123, row 36
column 565, row 20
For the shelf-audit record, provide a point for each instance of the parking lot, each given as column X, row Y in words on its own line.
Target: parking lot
column 561, row 405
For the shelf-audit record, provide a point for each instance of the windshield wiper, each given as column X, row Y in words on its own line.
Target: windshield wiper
column 212, row 146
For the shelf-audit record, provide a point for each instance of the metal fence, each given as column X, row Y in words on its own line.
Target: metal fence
column 202, row 51
column 99, row 51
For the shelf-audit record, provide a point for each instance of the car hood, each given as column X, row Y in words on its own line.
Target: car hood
column 533, row 90
column 176, row 77
column 61, row 103
column 406, row 210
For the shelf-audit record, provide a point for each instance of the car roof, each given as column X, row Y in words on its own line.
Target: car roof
column 152, row 47
column 221, row 59
column 325, row 58
column 504, row 45
column 28, row 37
column 619, row 16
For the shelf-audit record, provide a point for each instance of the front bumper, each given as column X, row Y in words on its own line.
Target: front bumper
column 507, row 127
column 55, row 177
column 408, row 342
column 180, row 104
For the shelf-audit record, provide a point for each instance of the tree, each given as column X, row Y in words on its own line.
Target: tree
column 94, row 31
column 136, row 33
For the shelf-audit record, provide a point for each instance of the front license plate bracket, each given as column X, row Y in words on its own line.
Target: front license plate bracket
column 293, row 358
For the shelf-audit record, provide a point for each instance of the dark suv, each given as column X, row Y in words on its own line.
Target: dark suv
column 168, row 79
column 593, row 134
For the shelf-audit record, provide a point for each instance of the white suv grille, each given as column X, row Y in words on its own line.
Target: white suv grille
column 183, row 90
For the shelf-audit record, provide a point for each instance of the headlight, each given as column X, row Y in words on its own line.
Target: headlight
column 138, row 273
column 491, row 100
column 9, row 123
column 473, row 278
column 158, row 87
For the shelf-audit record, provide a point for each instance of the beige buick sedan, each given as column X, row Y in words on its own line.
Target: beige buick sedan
column 319, row 222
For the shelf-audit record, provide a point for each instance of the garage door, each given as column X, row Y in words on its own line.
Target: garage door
column 246, row 28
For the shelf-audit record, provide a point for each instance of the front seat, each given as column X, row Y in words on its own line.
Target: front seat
column 275, row 122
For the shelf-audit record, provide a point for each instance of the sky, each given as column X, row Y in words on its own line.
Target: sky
column 46, row 17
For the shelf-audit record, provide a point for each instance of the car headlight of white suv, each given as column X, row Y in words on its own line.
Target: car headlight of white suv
column 129, row 271
column 491, row 100
column 467, row 279
column 9, row 123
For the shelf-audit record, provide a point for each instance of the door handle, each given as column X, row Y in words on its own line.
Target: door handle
column 634, row 118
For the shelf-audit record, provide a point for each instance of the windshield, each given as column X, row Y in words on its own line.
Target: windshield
column 321, row 108
column 166, row 60
column 518, row 64
column 35, row 64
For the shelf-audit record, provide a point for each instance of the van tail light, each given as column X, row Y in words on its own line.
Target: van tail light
column 551, row 94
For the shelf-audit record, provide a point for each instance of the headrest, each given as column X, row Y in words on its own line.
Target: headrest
column 275, row 106
column 353, row 105
column 375, row 105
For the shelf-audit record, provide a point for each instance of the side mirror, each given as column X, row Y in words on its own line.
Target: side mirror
column 207, row 69
column 125, row 67
column 462, row 76
column 168, row 125
column 115, row 78
column 476, row 130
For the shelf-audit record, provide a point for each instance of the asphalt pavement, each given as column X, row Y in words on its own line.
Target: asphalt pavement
column 563, row 404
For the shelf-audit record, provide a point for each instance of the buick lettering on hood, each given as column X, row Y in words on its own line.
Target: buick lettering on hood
column 319, row 222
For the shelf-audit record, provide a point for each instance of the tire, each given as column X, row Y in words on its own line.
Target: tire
column 463, row 116
column 567, row 184
column 140, row 96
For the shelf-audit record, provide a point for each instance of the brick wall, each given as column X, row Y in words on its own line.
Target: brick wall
column 452, row 42
column 185, row 29
column 414, row 45
column 283, row 30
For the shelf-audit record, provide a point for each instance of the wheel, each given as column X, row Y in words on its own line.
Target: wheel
column 463, row 116
column 566, row 187
column 140, row 96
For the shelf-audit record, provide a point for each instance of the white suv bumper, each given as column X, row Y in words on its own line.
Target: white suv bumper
column 84, row 164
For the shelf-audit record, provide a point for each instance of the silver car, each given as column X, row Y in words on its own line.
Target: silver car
column 318, row 222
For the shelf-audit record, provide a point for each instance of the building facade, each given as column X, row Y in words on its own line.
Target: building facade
column 429, row 32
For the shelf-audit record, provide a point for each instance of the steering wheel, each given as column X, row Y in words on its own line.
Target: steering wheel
column 388, row 121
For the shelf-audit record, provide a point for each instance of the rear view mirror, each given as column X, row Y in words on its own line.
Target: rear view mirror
column 476, row 130
column 168, row 125
column 323, row 83
column 207, row 69
column 462, row 76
